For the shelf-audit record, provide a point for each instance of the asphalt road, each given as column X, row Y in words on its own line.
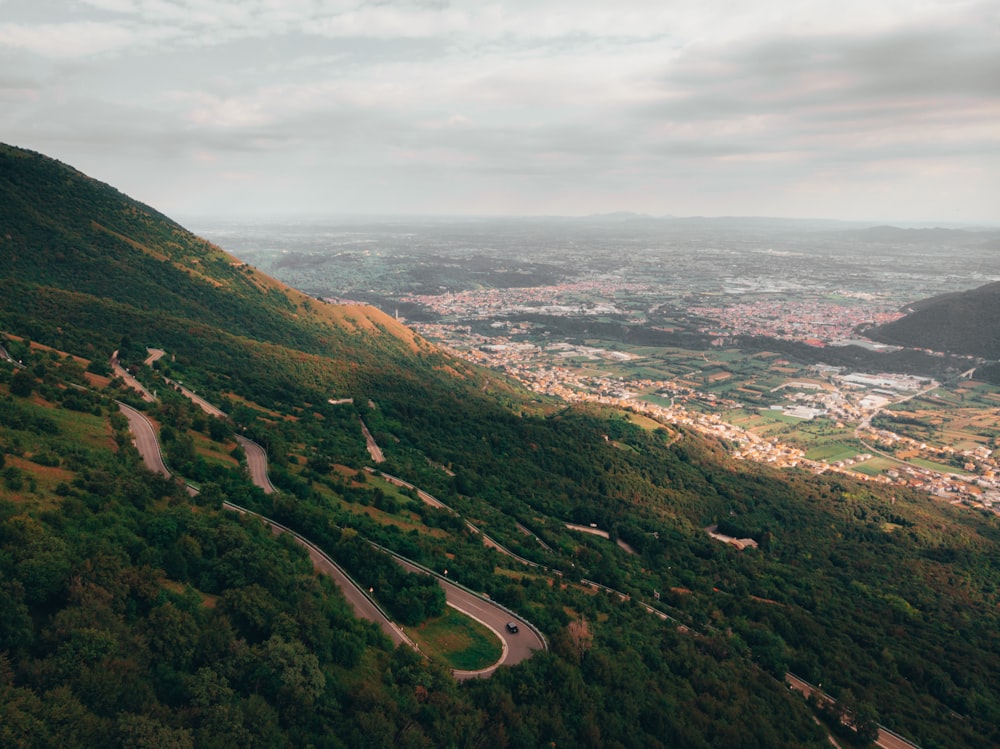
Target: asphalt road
column 154, row 355
column 144, row 437
column 133, row 383
column 603, row 534
column 203, row 404
column 363, row 606
column 257, row 463
column 433, row 501
column 147, row 445
column 426, row 498
column 7, row 357
column 516, row 647
column 373, row 449
column 886, row 739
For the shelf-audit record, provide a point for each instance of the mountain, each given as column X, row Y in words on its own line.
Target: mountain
column 133, row 614
column 69, row 234
column 935, row 237
column 959, row 323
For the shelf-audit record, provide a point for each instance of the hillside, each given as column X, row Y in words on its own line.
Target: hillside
column 958, row 323
column 132, row 614
column 74, row 248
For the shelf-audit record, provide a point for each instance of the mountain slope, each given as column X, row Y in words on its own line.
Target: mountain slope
column 65, row 231
column 151, row 620
column 959, row 323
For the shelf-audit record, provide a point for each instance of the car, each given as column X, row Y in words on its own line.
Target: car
column 512, row 628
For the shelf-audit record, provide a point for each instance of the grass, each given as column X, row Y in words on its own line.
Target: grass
column 940, row 467
column 657, row 400
column 461, row 642
column 80, row 427
column 832, row 452
column 212, row 452
column 875, row 466
column 644, row 421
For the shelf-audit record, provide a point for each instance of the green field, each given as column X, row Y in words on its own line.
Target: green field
column 940, row 467
column 875, row 466
column 460, row 641
column 832, row 452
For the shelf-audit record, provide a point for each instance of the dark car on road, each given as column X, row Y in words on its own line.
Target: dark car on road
column 512, row 628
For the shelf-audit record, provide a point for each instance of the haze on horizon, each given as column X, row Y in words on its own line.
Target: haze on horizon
column 877, row 110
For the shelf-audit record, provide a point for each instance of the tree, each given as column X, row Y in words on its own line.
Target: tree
column 21, row 384
column 296, row 672
column 143, row 732
column 864, row 720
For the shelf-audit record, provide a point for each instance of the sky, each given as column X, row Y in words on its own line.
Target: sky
column 874, row 110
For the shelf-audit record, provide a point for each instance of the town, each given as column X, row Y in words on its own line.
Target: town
column 654, row 319
column 850, row 402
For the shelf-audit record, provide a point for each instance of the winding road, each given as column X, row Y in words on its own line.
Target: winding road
column 148, row 446
column 257, row 464
column 373, row 449
column 364, row 607
column 129, row 380
column 203, row 404
column 7, row 357
column 603, row 534
column 886, row 739
column 433, row 501
column 516, row 646
column 144, row 438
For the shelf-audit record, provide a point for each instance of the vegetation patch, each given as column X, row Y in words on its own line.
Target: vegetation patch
column 876, row 466
column 463, row 643
column 832, row 452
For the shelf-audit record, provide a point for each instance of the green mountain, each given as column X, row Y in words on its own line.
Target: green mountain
column 132, row 614
column 959, row 323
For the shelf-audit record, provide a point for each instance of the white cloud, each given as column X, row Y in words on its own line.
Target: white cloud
column 69, row 40
column 543, row 98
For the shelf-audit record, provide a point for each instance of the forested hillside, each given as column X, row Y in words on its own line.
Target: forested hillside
column 959, row 323
column 75, row 249
column 133, row 615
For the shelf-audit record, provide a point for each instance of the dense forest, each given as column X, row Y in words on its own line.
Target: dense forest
column 133, row 614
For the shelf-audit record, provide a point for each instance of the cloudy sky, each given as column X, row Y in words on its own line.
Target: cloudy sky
column 855, row 109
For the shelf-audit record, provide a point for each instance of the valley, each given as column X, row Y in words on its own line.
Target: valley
column 747, row 331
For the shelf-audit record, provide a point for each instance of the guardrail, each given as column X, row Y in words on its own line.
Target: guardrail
column 435, row 502
column 310, row 545
column 470, row 591
column 270, row 488
column 7, row 357
column 897, row 736
column 156, row 440
column 627, row 597
column 826, row 696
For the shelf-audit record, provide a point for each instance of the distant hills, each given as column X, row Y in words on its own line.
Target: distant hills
column 966, row 322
